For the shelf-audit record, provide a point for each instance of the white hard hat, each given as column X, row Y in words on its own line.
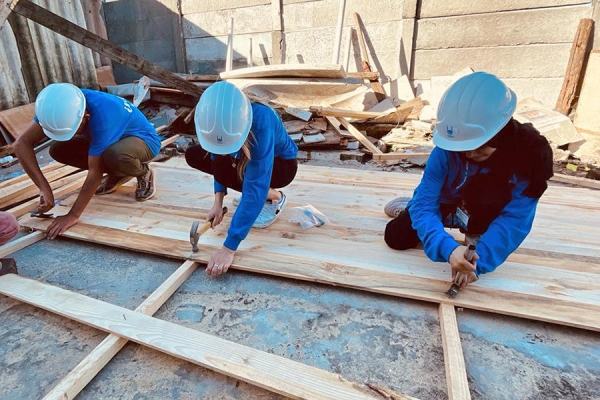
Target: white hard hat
column 60, row 108
column 472, row 111
column 223, row 118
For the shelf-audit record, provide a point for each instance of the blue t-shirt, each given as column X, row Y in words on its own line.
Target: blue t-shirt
column 113, row 118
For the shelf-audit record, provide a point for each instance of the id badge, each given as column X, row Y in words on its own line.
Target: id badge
column 463, row 217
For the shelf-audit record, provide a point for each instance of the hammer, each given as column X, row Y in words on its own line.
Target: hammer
column 9, row 266
column 453, row 291
column 195, row 233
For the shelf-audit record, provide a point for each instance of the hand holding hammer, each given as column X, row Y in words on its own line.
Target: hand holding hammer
column 198, row 231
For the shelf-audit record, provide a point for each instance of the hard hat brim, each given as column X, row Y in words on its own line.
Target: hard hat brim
column 59, row 138
column 220, row 149
column 454, row 145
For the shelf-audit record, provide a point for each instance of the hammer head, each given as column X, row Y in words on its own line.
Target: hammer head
column 194, row 236
column 9, row 266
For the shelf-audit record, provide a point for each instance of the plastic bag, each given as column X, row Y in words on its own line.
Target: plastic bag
column 308, row 216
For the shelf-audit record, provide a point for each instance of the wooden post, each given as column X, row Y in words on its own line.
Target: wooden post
column 338, row 33
column 380, row 94
column 32, row 74
column 576, row 61
column 229, row 56
column 456, row 373
column 76, row 33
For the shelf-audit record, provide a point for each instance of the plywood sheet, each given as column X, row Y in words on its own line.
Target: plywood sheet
column 553, row 277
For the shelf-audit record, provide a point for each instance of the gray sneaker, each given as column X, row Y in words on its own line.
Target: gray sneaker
column 396, row 206
column 270, row 212
column 145, row 186
column 237, row 200
column 110, row 183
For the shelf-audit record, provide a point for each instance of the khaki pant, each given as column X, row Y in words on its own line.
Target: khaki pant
column 127, row 157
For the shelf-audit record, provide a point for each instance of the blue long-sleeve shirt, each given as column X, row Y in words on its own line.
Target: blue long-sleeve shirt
column 270, row 140
column 446, row 172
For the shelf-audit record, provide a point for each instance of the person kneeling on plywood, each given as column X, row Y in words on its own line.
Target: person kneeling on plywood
column 485, row 176
column 246, row 148
column 96, row 131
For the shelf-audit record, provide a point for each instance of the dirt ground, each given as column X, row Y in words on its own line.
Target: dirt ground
column 364, row 337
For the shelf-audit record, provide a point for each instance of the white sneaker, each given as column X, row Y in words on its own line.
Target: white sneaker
column 396, row 206
column 236, row 200
column 270, row 212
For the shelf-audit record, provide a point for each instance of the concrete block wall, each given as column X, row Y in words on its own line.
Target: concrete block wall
column 525, row 42
column 148, row 28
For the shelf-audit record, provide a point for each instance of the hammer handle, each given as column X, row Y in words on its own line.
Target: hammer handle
column 208, row 223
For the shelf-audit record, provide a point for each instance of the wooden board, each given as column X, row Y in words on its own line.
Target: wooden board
column 15, row 120
column 586, row 116
column 287, row 71
column 358, row 135
column 92, row 364
column 456, row 373
column 551, row 278
column 21, row 243
column 271, row 372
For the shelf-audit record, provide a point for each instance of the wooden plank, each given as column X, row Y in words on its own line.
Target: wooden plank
column 575, row 180
column 456, row 373
column 287, row 71
column 21, row 243
column 575, row 66
column 74, row 32
column 375, row 85
column 371, row 76
column 50, row 167
column 586, row 116
column 15, row 119
column 22, row 209
column 338, row 112
column 271, row 372
column 334, row 269
column 397, row 156
column 172, row 96
column 70, row 386
column 358, row 135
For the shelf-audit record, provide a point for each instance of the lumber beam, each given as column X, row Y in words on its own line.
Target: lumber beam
column 89, row 367
column 576, row 180
column 78, row 34
column 397, row 156
column 574, row 67
column 339, row 112
column 259, row 368
column 358, row 135
column 456, row 373
column 21, row 243
column 371, row 76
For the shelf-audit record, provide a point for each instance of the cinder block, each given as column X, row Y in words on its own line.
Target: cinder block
column 215, row 48
column 217, row 23
column 554, row 25
column 531, row 61
column 437, row 8
column 195, row 6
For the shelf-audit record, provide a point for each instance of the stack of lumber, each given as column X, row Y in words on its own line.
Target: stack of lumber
column 20, row 195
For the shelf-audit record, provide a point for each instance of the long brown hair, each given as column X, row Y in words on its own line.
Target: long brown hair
column 245, row 156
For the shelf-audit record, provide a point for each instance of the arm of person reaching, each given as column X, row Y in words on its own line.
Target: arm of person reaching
column 425, row 209
column 23, row 148
column 92, row 180
column 506, row 233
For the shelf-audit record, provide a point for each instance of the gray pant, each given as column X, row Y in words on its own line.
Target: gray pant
column 127, row 157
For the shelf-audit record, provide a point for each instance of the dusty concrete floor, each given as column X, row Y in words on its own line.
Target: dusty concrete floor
column 364, row 337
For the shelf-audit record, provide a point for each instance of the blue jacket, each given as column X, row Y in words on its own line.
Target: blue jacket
column 270, row 140
column 442, row 181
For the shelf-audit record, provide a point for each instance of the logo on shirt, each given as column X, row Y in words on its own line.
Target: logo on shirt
column 220, row 139
column 451, row 131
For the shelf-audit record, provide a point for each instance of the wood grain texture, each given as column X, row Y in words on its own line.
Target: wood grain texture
column 92, row 364
column 271, row 372
column 358, row 135
column 287, row 71
column 550, row 278
column 21, row 243
column 456, row 373
column 574, row 67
